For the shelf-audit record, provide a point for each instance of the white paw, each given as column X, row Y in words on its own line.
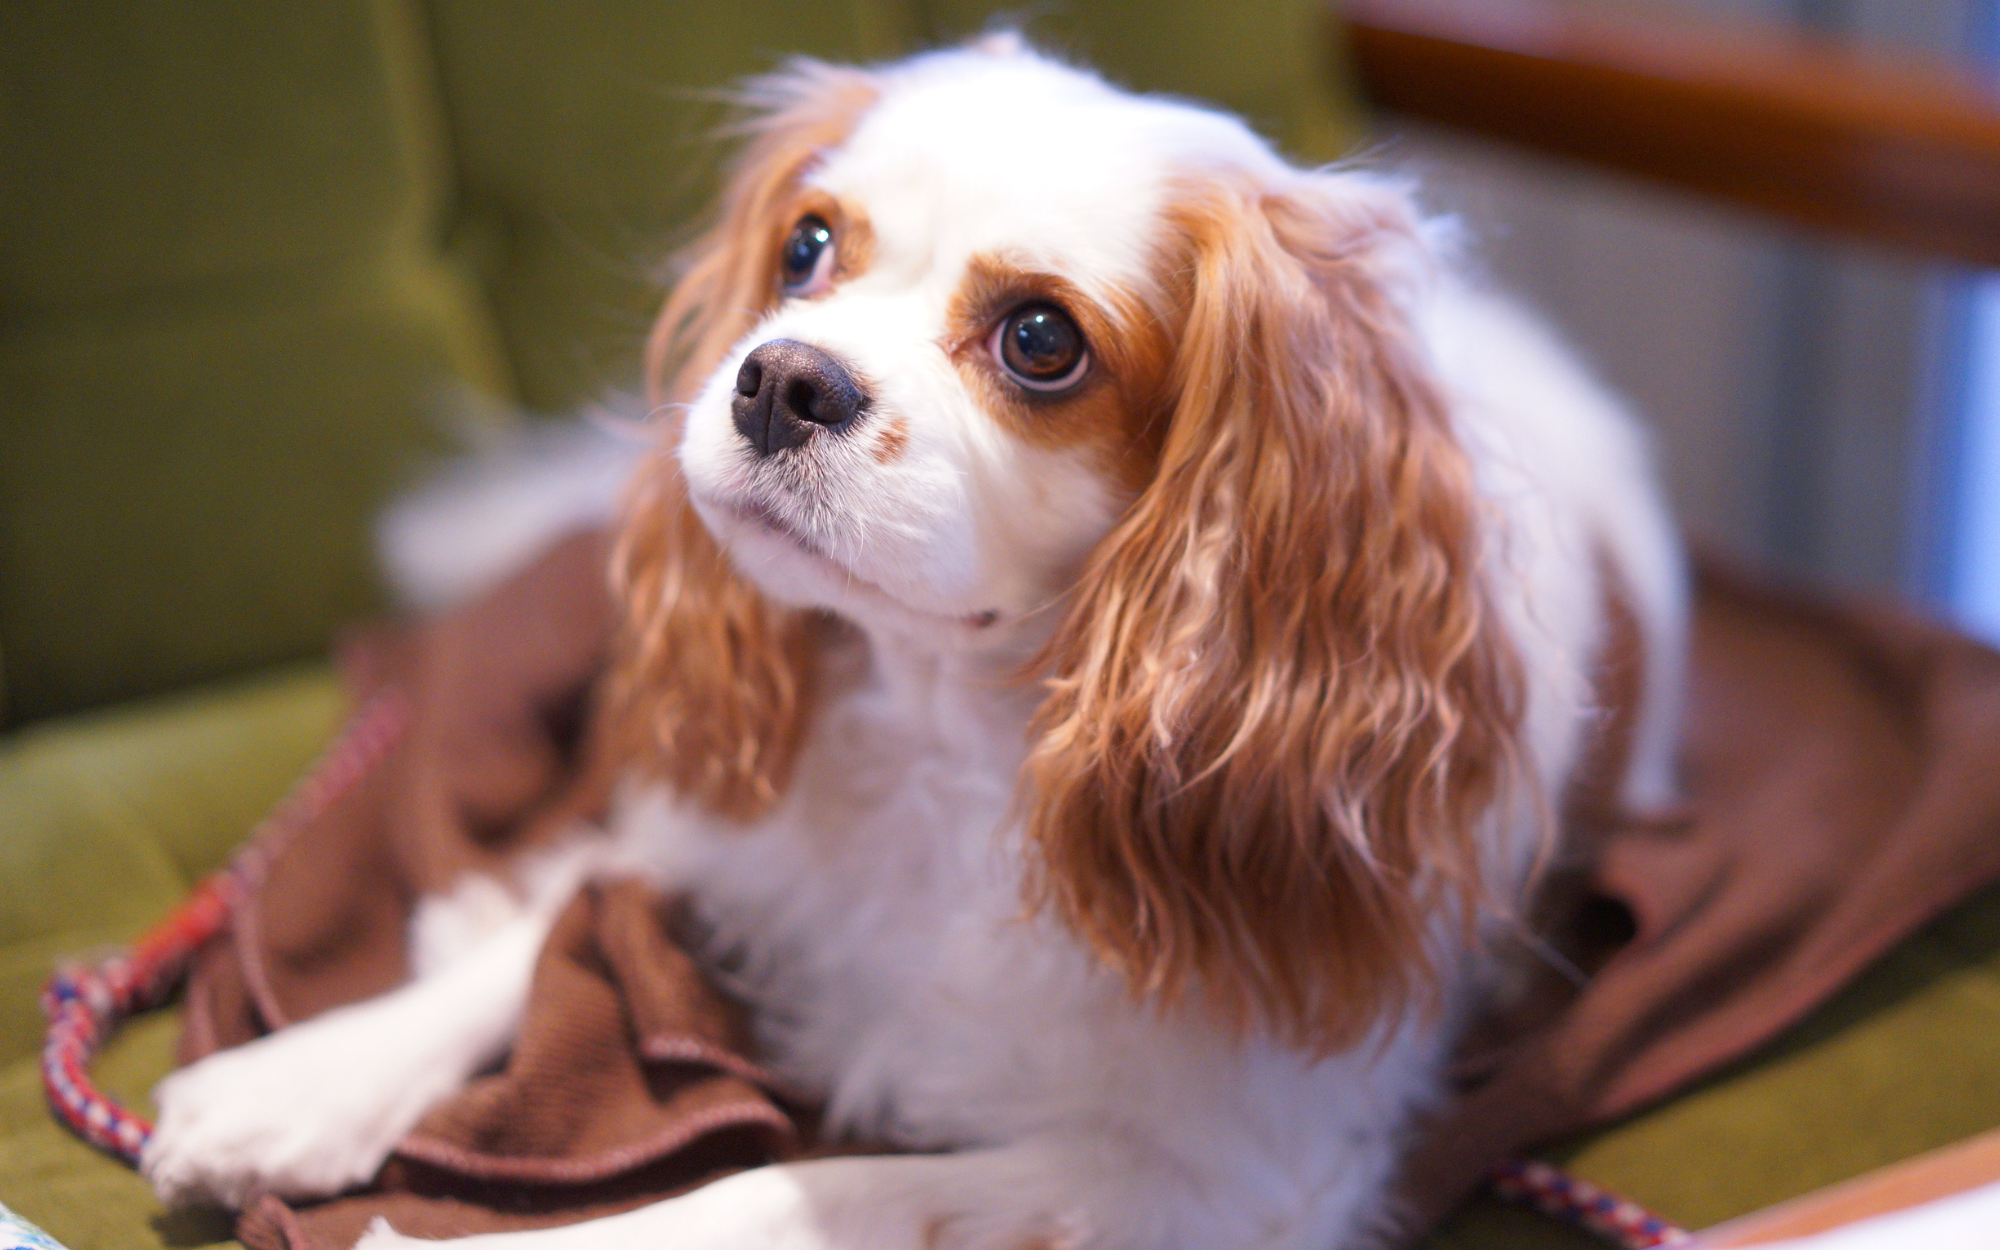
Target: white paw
column 306, row 1112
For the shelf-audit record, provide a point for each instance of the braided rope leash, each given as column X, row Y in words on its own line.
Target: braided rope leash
column 85, row 1001
column 1574, row 1200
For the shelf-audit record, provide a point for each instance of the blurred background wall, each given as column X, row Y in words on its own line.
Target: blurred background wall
column 1828, row 410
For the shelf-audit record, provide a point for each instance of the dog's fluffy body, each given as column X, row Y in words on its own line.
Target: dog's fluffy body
column 926, row 945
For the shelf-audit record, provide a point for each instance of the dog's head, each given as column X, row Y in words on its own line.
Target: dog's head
column 985, row 355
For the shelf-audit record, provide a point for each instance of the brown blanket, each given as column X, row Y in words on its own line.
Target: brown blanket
column 1840, row 766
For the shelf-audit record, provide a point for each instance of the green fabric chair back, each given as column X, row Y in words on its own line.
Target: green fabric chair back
column 247, row 249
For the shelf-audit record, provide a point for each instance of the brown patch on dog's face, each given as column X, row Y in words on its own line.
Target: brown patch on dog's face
column 894, row 437
column 1117, row 412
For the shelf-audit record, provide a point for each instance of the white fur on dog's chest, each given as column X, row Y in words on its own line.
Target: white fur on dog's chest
column 874, row 918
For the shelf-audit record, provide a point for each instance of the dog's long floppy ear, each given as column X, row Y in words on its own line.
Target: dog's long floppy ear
column 1280, row 700
column 711, row 684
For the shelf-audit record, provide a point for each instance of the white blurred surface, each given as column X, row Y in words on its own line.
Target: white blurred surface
column 1967, row 1221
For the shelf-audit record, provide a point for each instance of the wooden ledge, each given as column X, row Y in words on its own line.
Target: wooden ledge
column 1894, row 151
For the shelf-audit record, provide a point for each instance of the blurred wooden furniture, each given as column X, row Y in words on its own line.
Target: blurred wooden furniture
column 1896, row 151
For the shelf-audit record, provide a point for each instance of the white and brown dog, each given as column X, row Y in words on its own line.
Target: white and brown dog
column 1310, row 545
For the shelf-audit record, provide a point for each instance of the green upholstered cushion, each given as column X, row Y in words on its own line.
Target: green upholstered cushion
column 227, row 317
column 106, row 819
column 187, row 493
column 245, row 249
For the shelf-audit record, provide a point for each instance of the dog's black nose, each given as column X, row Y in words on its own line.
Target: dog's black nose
column 786, row 390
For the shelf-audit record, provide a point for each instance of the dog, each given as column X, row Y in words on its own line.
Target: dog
column 1110, row 621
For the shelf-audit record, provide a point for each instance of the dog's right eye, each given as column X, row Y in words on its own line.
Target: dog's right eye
column 806, row 262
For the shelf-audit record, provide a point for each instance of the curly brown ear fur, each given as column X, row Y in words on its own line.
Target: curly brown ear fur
column 711, row 684
column 1281, row 703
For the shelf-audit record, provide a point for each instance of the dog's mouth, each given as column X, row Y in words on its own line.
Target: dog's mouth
column 761, row 516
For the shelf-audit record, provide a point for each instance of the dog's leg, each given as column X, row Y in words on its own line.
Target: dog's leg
column 1098, row 1194
column 316, row 1108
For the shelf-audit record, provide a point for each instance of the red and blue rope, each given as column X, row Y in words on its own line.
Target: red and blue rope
column 1574, row 1200
column 84, row 1001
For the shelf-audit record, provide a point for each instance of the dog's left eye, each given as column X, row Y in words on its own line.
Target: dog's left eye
column 1041, row 348
column 806, row 261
